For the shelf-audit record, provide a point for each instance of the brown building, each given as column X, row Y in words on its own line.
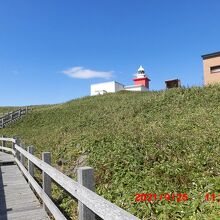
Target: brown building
column 172, row 83
column 211, row 65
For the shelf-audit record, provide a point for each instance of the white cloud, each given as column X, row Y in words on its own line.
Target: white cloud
column 82, row 73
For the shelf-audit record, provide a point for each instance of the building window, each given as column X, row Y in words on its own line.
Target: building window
column 215, row 69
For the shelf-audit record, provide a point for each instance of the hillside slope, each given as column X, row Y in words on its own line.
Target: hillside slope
column 147, row 142
column 4, row 110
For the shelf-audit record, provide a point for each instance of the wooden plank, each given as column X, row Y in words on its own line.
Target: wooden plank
column 37, row 214
column 46, row 157
column 3, row 142
column 85, row 176
column 8, row 139
column 7, row 150
column 48, row 202
column 6, row 158
column 22, row 157
column 30, row 164
column 17, row 200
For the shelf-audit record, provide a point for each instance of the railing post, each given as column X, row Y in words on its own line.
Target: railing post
column 13, row 144
column 85, row 176
column 26, row 112
column 19, row 112
column 17, row 153
column 46, row 157
column 30, row 164
column 22, row 157
column 10, row 116
column 3, row 142
column 2, row 122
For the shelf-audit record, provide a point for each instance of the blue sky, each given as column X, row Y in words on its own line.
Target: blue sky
column 43, row 42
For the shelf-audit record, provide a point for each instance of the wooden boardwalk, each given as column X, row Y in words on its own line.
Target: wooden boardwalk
column 17, row 200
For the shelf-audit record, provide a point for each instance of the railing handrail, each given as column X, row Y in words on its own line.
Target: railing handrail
column 10, row 116
column 100, row 206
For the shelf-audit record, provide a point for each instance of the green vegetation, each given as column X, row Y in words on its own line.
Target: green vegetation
column 6, row 109
column 142, row 142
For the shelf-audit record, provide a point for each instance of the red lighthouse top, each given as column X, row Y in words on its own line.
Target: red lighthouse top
column 141, row 78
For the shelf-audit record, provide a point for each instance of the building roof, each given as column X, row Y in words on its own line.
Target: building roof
column 211, row 55
column 170, row 80
column 141, row 69
column 106, row 83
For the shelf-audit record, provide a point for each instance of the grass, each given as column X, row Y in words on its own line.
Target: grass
column 142, row 142
column 6, row 109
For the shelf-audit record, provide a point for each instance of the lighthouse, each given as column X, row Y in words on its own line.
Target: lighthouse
column 141, row 84
column 141, row 78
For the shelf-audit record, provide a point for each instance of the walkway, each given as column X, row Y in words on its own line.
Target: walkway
column 17, row 200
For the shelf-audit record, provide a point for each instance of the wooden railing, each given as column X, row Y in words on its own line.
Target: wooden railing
column 90, row 205
column 11, row 116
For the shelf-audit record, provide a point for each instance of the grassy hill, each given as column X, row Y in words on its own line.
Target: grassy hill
column 6, row 109
column 142, row 142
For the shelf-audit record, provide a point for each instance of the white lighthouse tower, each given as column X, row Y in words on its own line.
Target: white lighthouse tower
column 141, row 72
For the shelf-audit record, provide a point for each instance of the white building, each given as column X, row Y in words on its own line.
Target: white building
column 102, row 88
column 141, row 82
